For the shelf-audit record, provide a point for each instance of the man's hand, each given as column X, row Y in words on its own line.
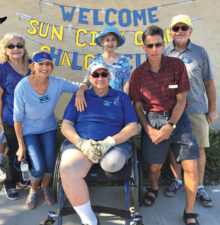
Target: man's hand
column 88, row 149
column 157, row 136
column 105, row 145
column 153, row 134
column 211, row 116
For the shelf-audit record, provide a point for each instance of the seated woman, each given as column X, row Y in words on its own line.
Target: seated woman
column 99, row 134
column 35, row 124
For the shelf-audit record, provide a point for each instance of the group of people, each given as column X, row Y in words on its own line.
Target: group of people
column 168, row 94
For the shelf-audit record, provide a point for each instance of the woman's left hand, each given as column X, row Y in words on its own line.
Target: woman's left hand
column 80, row 101
column 21, row 153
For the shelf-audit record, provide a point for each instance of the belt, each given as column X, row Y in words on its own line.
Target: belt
column 163, row 113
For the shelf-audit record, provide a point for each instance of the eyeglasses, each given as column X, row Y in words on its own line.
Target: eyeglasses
column 183, row 28
column 157, row 45
column 11, row 46
column 96, row 74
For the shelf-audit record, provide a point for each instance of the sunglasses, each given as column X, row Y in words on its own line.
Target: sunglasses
column 96, row 74
column 11, row 46
column 183, row 28
column 157, row 45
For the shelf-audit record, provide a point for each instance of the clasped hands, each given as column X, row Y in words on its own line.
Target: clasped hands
column 95, row 150
column 157, row 136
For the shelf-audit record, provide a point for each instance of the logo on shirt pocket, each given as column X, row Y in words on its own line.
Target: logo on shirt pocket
column 186, row 59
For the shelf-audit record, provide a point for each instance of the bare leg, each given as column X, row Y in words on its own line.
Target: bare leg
column 73, row 168
column 190, row 183
column 154, row 174
column 201, row 165
column 45, row 181
column 34, row 185
column 176, row 168
column 33, row 190
column 44, row 185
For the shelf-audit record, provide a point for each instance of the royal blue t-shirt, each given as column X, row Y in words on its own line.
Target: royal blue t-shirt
column 104, row 116
column 9, row 78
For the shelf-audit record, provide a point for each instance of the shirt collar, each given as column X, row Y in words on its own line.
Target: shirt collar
column 163, row 63
column 189, row 46
column 110, row 93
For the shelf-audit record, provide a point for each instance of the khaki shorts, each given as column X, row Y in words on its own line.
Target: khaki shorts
column 200, row 129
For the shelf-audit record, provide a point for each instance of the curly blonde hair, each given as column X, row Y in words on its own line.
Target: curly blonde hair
column 4, row 43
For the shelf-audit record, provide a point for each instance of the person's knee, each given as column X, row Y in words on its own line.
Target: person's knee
column 77, row 166
column 113, row 161
column 190, row 166
column 66, row 168
column 155, row 168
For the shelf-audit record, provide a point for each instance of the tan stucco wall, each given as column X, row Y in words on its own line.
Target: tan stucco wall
column 204, row 13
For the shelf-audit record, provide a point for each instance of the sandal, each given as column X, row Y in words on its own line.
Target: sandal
column 187, row 216
column 32, row 202
column 150, row 198
column 48, row 198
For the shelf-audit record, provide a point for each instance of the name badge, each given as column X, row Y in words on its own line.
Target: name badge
column 171, row 86
column 116, row 66
column 44, row 99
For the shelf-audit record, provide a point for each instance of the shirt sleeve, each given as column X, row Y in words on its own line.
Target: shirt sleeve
column 207, row 70
column 134, row 92
column 68, row 86
column 70, row 112
column 183, row 79
column 18, row 112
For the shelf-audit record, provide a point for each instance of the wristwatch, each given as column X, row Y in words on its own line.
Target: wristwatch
column 173, row 125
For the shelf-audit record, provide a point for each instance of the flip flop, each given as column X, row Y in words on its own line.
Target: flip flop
column 48, row 198
column 31, row 204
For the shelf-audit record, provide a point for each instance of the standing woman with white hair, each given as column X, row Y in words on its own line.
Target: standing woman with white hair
column 118, row 65
column 14, row 63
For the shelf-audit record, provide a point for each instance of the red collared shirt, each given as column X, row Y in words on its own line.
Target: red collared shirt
column 158, row 90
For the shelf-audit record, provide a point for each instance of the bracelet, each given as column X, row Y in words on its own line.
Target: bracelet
column 86, row 82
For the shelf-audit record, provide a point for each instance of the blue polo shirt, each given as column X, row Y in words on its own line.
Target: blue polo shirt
column 199, row 70
column 104, row 116
column 9, row 79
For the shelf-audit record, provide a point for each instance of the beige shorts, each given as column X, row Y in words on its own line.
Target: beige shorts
column 200, row 129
